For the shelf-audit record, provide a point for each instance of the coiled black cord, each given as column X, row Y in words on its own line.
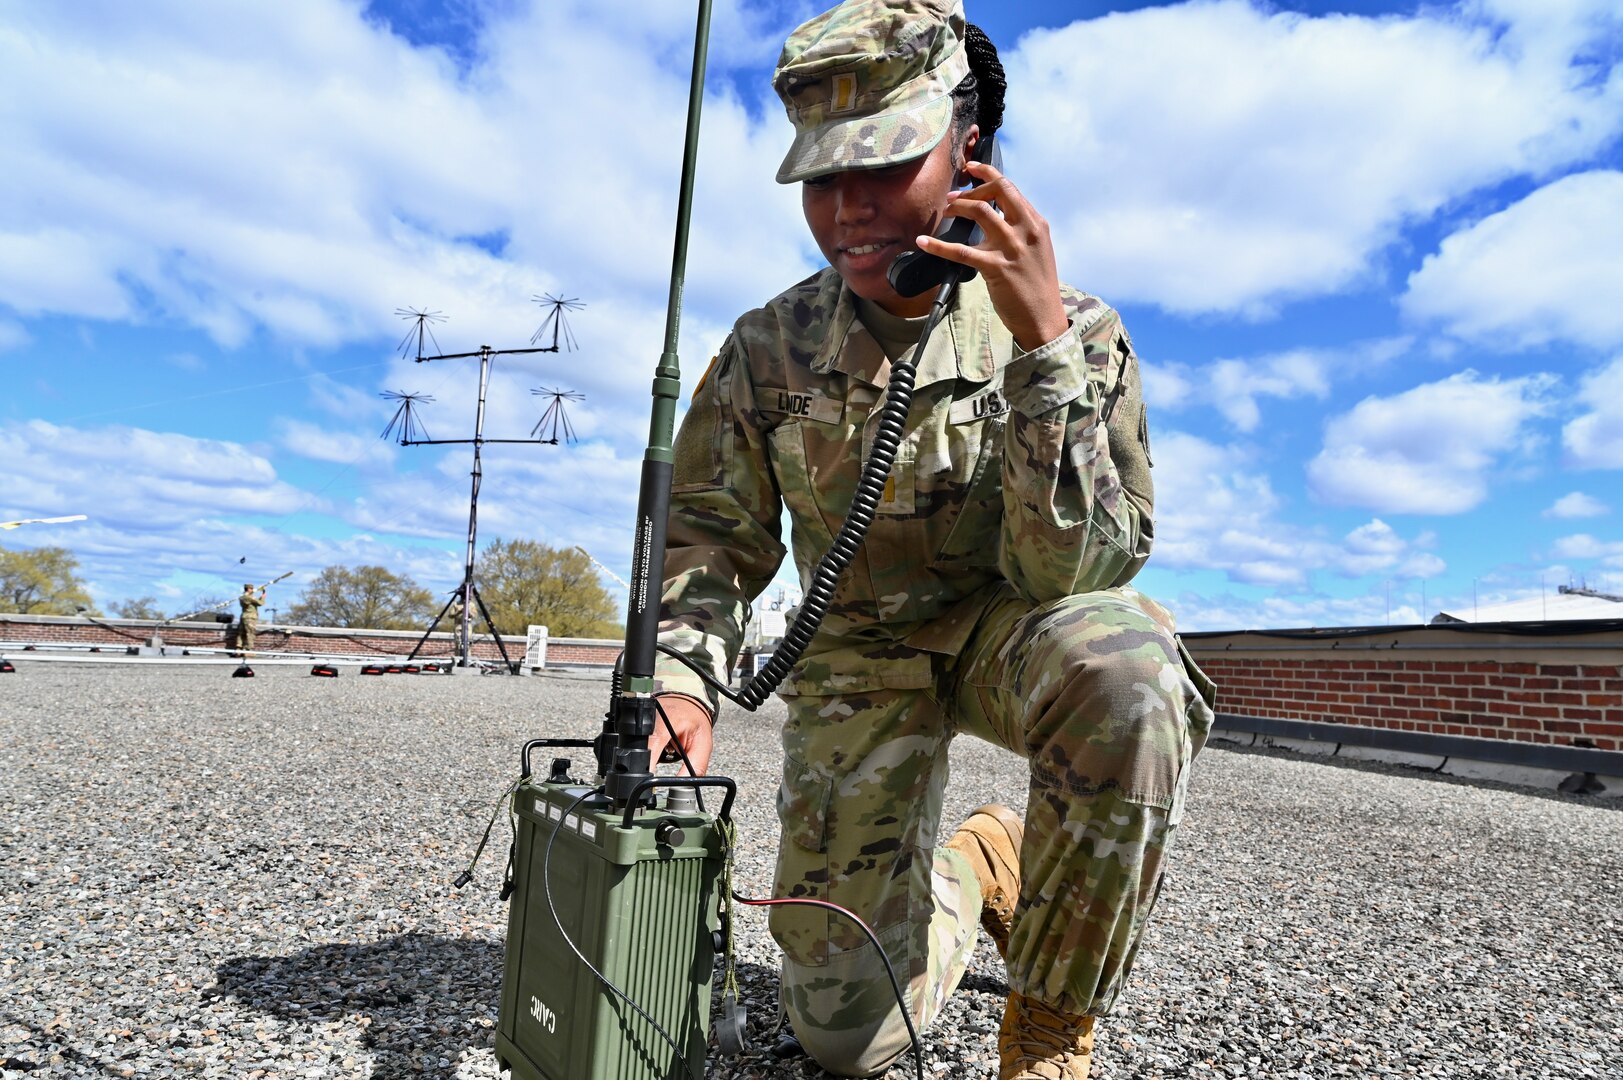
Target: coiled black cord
column 875, row 471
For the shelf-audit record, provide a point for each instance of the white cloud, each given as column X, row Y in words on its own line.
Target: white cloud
column 1166, row 385
column 340, row 447
column 1215, row 511
column 203, row 560
column 1429, row 450
column 136, row 479
column 1219, row 157
column 1202, row 611
column 1585, row 546
column 1376, row 548
column 333, row 172
column 1595, row 439
column 1549, row 268
column 1575, row 504
column 12, row 335
column 1235, row 386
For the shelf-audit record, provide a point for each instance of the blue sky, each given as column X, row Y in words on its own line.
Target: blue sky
column 1371, row 256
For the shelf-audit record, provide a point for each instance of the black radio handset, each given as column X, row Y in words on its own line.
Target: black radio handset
column 915, row 271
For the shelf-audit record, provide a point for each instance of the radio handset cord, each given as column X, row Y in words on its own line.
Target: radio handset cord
column 875, row 471
column 912, row 273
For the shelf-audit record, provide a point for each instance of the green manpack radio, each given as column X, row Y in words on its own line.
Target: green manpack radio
column 636, row 891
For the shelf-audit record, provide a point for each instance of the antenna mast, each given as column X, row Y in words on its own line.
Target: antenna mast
column 408, row 425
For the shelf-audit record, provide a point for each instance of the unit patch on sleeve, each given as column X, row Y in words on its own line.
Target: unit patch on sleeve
column 812, row 406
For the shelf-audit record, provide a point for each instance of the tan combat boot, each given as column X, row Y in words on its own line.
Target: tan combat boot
column 1038, row 1042
column 990, row 839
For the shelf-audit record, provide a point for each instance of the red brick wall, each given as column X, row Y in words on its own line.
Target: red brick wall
column 582, row 652
column 1562, row 688
column 118, row 635
column 1528, row 701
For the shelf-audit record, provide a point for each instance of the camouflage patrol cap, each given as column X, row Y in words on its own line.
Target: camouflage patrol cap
column 869, row 83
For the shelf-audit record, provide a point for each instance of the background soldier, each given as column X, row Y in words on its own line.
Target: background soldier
column 249, row 624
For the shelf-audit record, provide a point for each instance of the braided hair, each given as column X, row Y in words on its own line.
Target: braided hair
column 978, row 98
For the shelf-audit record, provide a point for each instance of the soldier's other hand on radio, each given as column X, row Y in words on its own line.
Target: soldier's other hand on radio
column 693, row 731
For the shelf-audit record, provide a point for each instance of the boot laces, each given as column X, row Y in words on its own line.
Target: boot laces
column 1045, row 1043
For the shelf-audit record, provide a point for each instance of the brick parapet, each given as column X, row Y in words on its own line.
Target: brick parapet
column 116, row 635
column 1546, row 688
column 1563, row 687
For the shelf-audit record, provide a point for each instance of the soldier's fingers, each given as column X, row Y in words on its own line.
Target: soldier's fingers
column 999, row 231
column 982, row 171
column 996, row 187
column 980, row 258
column 700, row 745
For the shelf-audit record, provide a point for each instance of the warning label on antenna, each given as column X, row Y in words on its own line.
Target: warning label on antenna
column 642, row 571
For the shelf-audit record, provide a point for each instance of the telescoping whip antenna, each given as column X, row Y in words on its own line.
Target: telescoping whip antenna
column 629, row 853
column 639, row 919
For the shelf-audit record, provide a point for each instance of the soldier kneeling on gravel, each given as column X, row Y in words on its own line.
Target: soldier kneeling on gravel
column 990, row 597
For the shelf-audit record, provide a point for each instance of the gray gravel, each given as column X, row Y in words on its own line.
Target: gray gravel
column 202, row 876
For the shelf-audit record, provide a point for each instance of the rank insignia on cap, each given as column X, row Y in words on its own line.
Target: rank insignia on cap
column 845, row 93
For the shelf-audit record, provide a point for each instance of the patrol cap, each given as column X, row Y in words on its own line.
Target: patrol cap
column 869, row 84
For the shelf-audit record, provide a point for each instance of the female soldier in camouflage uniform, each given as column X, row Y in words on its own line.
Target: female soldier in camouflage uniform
column 990, row 597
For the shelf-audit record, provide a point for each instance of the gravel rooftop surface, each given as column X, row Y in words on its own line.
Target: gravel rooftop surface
column 206, row 876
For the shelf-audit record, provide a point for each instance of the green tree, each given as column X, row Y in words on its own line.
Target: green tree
column 142, row 607
column 42, row 581
column 363, row 598
column 527, row 583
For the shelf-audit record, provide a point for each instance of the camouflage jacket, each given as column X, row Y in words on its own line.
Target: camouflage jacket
column 1024, row 468
column 250, row 605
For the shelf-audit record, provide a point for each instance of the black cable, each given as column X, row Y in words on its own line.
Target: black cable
column 895, row 983
column 546, row 889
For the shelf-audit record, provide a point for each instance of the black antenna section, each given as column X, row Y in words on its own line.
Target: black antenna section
column 406, row 419
column 555, row 417
column 465, row 603
column 421, row 318
column 561, row 334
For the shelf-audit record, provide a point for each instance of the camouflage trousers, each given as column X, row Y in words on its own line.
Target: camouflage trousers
column 1098, row 695
column 245, row 635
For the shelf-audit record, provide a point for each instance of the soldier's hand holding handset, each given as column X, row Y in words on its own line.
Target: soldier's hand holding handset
column 1017, row 257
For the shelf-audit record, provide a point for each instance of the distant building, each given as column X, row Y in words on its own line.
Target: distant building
column 765, row 628
column 1568, row 604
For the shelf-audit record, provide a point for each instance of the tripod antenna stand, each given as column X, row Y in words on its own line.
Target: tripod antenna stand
column 466, row 595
